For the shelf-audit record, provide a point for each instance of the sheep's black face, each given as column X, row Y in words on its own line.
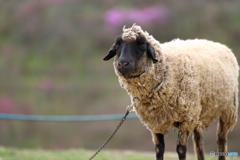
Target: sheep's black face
column 129, row 56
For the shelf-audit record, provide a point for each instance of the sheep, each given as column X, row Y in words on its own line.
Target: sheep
column 182, row 84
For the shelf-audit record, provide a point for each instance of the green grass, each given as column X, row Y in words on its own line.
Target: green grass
column 81, row 154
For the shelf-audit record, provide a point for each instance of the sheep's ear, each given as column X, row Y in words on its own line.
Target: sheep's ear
column 151, row 53
column 111, row 53
column 113, row 50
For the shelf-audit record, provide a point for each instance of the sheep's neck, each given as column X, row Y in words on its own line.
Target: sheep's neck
column 148, row 83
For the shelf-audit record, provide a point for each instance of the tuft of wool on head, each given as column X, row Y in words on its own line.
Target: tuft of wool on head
column 131, row 34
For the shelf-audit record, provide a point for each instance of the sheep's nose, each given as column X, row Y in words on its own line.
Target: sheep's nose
column 123, row 63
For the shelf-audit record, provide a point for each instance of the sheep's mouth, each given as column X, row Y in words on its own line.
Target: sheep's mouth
column 125, row 72
column 132, row 74
column 130, row 71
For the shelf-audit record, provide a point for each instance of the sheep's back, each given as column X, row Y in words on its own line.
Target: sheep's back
column 208, row 71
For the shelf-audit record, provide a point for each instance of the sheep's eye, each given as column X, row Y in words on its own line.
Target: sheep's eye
column 143, row 46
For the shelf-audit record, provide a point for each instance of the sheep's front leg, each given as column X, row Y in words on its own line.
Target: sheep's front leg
column 182, row 144
column 158, row 140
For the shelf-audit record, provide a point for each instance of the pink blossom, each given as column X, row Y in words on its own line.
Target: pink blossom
column 117, row 16
column 114, row 17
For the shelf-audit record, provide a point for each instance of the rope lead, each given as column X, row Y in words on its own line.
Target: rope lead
column 110, row 137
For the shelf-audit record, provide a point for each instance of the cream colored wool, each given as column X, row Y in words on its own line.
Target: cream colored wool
column 194, row 83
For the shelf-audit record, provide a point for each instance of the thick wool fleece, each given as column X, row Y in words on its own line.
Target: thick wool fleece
column 194, row 83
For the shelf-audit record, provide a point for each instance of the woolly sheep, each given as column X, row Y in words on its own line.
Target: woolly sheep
column 180, row 84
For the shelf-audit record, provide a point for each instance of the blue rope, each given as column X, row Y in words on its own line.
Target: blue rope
column 65, row 118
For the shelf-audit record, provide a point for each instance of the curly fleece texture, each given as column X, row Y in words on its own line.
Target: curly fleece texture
column 194, row 83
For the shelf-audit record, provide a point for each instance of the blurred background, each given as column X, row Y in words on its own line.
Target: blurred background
column 51, row 64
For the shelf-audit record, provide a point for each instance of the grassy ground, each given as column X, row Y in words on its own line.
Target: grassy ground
column 81, row 154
